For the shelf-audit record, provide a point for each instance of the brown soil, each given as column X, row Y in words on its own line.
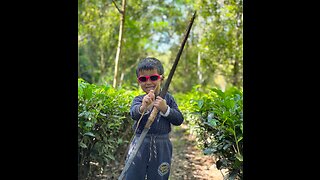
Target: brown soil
column 188, row 162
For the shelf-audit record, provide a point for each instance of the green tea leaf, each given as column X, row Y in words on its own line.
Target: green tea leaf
column 89, row 134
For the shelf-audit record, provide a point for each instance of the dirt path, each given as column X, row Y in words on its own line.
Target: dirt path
column 188, row 162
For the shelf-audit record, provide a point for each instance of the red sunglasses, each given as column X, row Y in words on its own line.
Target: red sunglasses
column 153, row 77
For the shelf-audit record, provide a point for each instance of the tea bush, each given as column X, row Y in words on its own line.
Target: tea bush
column 216, row 118
column 104, row 126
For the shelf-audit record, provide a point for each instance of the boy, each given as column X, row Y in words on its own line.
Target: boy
column 153, row 159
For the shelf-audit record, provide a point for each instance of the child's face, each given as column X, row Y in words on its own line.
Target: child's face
column 149, row 84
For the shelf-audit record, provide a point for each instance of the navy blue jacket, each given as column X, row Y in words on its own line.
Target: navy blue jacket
column 161, row 124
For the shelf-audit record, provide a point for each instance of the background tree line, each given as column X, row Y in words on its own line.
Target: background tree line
column 115, row 34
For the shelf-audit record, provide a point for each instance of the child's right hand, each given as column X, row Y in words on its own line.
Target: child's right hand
column 147, row 101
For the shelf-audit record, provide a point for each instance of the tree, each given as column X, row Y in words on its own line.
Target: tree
column 122, row 20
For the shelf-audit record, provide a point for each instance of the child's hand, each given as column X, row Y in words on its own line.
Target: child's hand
column 161, row 104
column 147, row 101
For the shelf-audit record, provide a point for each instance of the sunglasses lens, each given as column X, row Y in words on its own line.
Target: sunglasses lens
column 142, row 79
column 154, row 78
column 145, row 78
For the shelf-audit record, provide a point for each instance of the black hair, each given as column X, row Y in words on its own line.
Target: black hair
column 150, row 63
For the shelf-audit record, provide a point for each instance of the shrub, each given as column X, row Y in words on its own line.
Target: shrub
column 103, row 125
column 216, row 118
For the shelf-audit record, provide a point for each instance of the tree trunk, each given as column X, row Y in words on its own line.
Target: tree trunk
column 236, row 72
column 236, row 66
column 121, row 78
column 122, row 18
column 199, row 68
column 79, row 73
column 102, row 63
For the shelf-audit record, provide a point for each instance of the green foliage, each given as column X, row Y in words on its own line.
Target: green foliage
column 156, row 28
column 103, row 118
column 216, row 117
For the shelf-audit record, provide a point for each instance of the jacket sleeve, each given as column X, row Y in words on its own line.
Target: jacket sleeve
column 175, row 117
column 134, row 109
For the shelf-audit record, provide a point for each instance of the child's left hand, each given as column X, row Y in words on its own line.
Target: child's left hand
column 160, row 104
